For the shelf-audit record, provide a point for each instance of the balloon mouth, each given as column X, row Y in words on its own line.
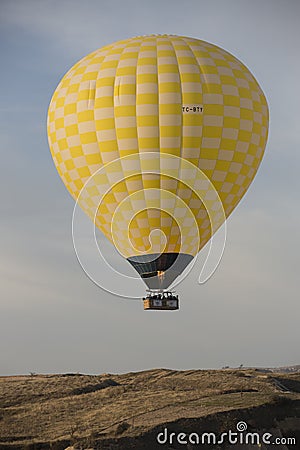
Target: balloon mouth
column 159, row 271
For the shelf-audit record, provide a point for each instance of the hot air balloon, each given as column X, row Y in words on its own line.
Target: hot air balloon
column 148, row 124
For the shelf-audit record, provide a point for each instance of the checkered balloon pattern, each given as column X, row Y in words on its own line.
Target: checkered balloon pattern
column 144, row 116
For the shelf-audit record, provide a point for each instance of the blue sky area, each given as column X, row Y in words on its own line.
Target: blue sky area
column 52, row 317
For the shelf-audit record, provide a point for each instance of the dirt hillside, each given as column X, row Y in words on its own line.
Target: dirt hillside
column 128, row 411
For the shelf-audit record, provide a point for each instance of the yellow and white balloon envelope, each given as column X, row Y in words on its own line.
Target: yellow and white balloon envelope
column 157, row 138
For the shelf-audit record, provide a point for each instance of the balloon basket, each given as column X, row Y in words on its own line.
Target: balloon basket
column 161, row 301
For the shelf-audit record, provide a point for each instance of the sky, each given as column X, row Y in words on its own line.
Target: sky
column 53, row 319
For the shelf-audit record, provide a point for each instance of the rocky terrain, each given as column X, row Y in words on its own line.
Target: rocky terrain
column 128, row 411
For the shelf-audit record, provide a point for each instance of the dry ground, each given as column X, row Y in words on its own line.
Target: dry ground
column 53, row 411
